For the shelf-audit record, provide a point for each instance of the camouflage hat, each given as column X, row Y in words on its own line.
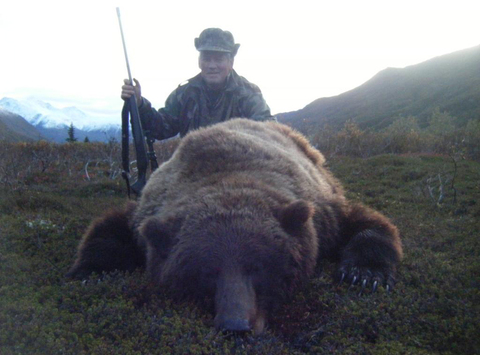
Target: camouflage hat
column 216, row 40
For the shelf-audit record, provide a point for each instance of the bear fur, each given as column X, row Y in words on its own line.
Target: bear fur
column 241, row 215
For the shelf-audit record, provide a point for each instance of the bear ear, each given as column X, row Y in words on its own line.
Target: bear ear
column 296, row 214
column 160, row 233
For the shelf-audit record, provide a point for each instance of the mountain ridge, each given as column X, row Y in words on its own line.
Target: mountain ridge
column 15, row 128
column 52, row 123
column 449, row 83
column 42, row 113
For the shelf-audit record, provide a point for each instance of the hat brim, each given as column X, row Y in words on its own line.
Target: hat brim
column 213, row 49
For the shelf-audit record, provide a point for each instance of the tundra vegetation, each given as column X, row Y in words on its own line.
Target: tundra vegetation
column 425, row 179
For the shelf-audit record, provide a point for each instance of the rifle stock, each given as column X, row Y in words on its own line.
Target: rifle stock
column 140, row 146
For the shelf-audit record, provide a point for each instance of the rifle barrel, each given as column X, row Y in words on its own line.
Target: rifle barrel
column 124, row 46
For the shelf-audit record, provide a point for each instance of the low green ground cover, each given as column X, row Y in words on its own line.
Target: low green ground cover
column 435, row 307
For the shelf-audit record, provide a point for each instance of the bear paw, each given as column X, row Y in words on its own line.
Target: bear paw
column 365, row 277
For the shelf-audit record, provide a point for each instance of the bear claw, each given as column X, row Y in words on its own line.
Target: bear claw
column 364, row 284
column 354, row 281
column 364, row 277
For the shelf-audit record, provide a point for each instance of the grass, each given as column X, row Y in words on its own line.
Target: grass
column 435, row 307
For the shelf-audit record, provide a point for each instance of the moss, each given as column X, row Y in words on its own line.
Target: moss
column 98, row 189
column 435, row 307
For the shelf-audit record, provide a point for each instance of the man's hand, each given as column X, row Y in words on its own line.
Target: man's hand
column 129, row 90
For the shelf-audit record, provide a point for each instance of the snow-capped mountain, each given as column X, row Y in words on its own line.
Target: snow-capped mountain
column 53, row 122
column 40, row 113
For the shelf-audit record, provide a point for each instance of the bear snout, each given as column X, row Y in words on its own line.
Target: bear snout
column 233, row 325
column 236, row 305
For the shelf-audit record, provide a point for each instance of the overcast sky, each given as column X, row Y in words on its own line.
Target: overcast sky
column 69, row 53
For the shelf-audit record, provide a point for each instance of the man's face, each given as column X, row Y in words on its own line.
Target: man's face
column 215, row 67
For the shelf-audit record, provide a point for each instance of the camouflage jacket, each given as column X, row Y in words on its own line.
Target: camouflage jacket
column 192, row 105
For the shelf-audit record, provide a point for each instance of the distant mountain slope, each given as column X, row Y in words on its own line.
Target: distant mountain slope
column 59, row 134
column 450, row 83
column 53, row 123
column 14, row 128
column 40, row 113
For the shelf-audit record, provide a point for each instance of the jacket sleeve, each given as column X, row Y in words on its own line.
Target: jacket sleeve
column 255, row 107
column 163, row 123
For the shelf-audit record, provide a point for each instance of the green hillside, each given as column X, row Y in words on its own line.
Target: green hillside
column 449, row 83
column 14, row 128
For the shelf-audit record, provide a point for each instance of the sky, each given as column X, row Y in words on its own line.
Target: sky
column 69, row 53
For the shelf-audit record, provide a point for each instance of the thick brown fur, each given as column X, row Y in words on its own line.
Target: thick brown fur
column 241, row 214
column 108, row 245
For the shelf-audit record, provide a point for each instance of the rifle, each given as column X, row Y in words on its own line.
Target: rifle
column 139, row 136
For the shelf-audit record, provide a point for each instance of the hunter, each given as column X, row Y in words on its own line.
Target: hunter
column 216, row 94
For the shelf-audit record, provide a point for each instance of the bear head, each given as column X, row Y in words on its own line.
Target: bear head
column 241, row 257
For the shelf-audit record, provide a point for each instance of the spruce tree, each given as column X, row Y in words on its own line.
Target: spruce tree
column 71, row 134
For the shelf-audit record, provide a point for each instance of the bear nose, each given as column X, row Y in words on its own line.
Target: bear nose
column 235, row 302
column 233, row 325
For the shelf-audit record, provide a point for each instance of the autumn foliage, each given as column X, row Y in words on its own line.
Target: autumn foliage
column 403, row 136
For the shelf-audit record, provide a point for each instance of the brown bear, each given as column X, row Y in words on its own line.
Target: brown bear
column 241, row 215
